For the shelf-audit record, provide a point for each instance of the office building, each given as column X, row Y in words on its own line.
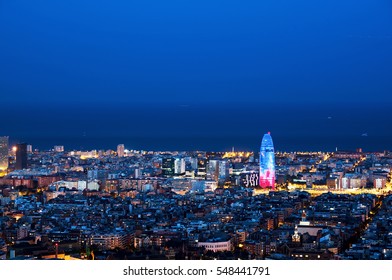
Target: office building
column 168, row 167
column 201, row 167
column 213, row 170
column 21, row 156
column 179, row 166
column 223, row 171
column 120, row 150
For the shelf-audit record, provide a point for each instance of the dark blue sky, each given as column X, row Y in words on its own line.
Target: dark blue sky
column 242, row 54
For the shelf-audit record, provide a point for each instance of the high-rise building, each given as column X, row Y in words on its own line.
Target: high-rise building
column 29, row 149
column 58, row 149
column 267, row 162
column 201, row 167
column 120, row 150
column 21, row 156
column 213, row 170
column 223, row 171
column 168, row 167
column 179, row 166
column 218, row 170
column 3, row 153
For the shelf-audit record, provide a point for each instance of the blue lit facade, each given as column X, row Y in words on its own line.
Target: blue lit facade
column 267, row 162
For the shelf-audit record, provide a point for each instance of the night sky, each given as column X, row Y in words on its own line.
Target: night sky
column 196, row 74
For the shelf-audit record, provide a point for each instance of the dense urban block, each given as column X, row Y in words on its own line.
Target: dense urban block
column 130, row 204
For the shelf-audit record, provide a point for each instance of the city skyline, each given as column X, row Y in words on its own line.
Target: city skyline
column 142, row 130
column 120, row 148
column 120, row 204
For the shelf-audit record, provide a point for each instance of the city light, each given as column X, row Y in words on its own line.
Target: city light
column 211, row 202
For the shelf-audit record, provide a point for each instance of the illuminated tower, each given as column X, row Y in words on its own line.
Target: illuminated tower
column 3, row 153
column 267, row 162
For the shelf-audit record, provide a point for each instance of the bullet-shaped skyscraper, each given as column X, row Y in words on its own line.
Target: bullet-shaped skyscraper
column 267, row 162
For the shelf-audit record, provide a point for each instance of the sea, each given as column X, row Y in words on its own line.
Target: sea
column 201, row 127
